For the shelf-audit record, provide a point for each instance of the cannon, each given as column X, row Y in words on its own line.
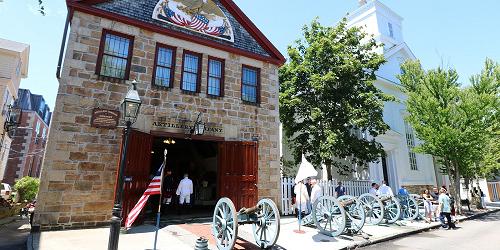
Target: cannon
column 381, row 208
column 409, row 207
column 264, row 217
column 334, row 217
column 421, row 206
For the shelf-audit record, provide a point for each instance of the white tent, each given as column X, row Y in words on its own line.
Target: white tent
column 306, row 170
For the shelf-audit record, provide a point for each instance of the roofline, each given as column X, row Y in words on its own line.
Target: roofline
column 370, row 4
column 275, row 56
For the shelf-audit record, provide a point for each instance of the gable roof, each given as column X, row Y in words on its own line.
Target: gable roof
column 249, row 40
column 400, row 47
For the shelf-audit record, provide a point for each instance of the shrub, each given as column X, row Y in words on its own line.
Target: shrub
column 27, row 188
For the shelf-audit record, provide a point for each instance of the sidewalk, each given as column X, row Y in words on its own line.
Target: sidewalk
column 184, row 236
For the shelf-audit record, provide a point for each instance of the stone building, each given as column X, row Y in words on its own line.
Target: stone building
column 191, row 59
column 29, row 138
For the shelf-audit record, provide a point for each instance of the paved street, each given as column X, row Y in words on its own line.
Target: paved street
column 481, row 233
column 13, row 235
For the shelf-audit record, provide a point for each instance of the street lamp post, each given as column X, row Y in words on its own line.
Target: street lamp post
column 130, row 108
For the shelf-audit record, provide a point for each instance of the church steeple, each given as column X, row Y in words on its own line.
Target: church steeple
column 378, row 20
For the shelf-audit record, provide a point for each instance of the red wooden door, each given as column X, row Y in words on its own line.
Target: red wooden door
column 138, row 164
column 238, row 168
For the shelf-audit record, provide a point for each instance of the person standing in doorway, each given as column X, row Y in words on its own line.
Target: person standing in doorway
column 385, row 190
column 184, row 191
column 445, row 207
column 340, row 190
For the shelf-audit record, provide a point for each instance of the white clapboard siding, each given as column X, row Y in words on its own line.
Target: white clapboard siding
column 354, row 188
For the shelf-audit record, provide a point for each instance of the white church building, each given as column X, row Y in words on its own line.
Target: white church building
column 401, row 166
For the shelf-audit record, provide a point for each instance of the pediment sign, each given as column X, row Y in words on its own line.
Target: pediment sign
column 202, row 16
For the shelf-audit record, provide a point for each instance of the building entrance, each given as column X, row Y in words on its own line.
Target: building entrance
column 216, row 167
column 196, row 159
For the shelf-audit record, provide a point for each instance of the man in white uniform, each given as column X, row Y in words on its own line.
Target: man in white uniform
column 385, row 190
column 374, row 189
column 184, row 190
column 316, row 191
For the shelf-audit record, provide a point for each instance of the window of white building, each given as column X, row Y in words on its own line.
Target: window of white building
column 391, row 31
column 410, row 143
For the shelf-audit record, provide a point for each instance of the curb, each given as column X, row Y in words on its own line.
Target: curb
column 416, row 231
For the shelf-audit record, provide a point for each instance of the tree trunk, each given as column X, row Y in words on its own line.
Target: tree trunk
column 329, row 171
column 456, row 182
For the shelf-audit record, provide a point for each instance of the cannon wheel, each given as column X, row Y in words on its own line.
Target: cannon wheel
column 421, row 206
column 355, row 212
column 329, row 216
column 225, row 224
column 374, row 208
column 392, row 210
column 267, row 228
column 409, row 208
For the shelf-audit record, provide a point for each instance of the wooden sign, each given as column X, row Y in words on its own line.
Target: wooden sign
column 104, row 118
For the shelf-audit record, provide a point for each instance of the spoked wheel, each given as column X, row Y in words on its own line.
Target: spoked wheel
column 355, row 212
column 409, row 207
column 392, row 210
column 267, row 228
column 225, row 224
column 374, row 208
column 421, row 206
column 329, row 216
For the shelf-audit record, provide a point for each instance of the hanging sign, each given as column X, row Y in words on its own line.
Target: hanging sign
column 104, row 118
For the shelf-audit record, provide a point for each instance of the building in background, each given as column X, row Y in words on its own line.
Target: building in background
column 401, row 166
column 14, row 60
column 29, row 139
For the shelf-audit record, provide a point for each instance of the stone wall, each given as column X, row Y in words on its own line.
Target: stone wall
column 79, row 169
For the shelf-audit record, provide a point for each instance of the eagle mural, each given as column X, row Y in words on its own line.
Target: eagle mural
column 203, row 16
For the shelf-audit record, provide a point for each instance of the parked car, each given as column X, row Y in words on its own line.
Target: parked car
column 6, row 191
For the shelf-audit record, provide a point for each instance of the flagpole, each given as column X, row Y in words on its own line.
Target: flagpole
column 158, row 214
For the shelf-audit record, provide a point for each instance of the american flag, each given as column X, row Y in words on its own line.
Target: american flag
column 153, row 189
column 198, row 22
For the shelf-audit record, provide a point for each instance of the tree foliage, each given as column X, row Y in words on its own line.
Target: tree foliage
column 27, row 188
column 41, row 8
column 327, row 97
column 456, row 124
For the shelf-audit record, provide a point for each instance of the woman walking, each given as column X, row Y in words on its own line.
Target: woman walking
column 428, row 205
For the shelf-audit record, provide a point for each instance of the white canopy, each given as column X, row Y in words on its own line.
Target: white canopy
column 306, row 170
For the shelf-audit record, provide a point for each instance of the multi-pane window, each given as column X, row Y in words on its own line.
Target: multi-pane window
column 115, row 55
column 191, row 72
column 410, row 143
column 391, row 31
column 163, row 74
column 215, row 77
column 250, row 84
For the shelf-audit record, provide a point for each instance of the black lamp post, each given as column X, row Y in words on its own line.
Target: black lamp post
column 198, row 128
column 130, row 108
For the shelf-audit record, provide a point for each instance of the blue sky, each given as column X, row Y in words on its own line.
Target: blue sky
column 445, row 32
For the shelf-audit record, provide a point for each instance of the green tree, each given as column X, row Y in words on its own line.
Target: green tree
column 27, row 188
column 41, row 8
column 327, row 97
column 454, row 123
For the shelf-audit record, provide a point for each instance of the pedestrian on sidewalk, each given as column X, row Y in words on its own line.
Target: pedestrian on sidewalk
column 445, row 208
column 427, row 205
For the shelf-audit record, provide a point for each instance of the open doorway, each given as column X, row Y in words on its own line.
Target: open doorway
column 199, row 160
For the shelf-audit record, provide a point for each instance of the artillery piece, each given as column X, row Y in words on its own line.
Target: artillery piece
column 409, row 207
column 264, row 217
column 380, row 208
column 334, row 217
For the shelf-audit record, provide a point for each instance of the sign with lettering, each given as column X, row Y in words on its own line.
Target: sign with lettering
column 185, row 126
column 104, row 118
